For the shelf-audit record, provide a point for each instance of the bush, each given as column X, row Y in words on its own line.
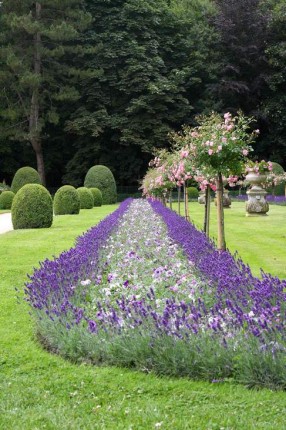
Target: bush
column 32, row 207
column 277, row 190
column 97, row 197
column 6, row 199
column 3, row 187
column 193, row 193
column 85, row 197
column 66, row 201
column 101, row 177
column 23, row 176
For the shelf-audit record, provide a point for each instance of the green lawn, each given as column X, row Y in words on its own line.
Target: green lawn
column 42, row 391
column 260, row 241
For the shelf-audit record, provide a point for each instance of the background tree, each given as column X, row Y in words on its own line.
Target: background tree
column 37, row 39
column 147, row 64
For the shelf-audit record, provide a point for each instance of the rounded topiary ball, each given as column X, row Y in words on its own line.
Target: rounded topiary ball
column 101, row 177
column 193, row 193
column 23, row 176
column 66, row 201
column 97, row 196
column 32, row 207
column 6, row 199
column 86, row 198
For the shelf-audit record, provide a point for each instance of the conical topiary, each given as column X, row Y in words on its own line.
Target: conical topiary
column 101, row 177
column 23, row 176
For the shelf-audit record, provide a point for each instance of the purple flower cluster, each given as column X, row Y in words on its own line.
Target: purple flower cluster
column 234, row 297
column 56, row 288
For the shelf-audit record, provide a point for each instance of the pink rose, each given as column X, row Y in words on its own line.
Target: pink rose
column 210, row 151
column 219, row 148
column 245, row 152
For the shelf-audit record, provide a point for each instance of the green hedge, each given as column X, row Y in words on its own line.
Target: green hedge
column 66, row 201
column 101, row 177
column 193, row 193
column 23, row 176
column 6, row 199
column 86, row 198
column 32, row 207
column 97, row 197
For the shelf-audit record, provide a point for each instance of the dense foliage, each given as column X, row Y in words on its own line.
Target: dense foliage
column 66, row 201
column 144, row 69
column 32, row 207
column 97, row 196
column 6, row 199
column 23, row 176
column 85, row 197
column 101, row 177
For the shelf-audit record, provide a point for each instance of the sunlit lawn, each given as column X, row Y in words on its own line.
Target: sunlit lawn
column 42, row 391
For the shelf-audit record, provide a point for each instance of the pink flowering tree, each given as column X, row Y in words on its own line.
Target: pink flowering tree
column 221, row 148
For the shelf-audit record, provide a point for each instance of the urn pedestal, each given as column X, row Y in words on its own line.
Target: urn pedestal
column 256, row 204
column 202, row 197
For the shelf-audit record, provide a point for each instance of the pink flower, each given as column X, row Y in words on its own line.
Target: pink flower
column 224, row 139
column 210, row 151
column 245, row 152
column 219, row 148
column 227, row 116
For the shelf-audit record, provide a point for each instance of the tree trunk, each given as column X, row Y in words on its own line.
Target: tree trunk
column 207, row 211
column 170, row 200
column 220, row 214
column 186, row 200
column 34, row 125
column 179, row 200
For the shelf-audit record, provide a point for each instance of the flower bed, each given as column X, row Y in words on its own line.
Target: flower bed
column 155, row 294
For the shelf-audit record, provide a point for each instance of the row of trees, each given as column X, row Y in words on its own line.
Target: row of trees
column 102, row 82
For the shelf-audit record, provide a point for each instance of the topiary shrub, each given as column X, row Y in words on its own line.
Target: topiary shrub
column 86, row 198
column 193, row 193
column 23, row 176
column 32, row 207
column 66, row 201
column 6, row 199
column 97, row 197
column 4, row 187
column 101, row 177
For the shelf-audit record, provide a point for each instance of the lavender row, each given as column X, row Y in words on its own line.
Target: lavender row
column 238, row 299
column 53, row 287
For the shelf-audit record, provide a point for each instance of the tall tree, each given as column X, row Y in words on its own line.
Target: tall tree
column 242, row 27
column 38, row 42
column 138, row 94
column 273, row 139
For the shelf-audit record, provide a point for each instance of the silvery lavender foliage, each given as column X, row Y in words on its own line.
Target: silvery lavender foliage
column 241, row 301
column 55, row 288
column 139, row 255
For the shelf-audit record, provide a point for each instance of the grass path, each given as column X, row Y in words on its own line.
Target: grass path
column 42, row 391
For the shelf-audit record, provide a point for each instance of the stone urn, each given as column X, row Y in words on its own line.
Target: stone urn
column 256, row 204
column 202, row 197
column 226, row 201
